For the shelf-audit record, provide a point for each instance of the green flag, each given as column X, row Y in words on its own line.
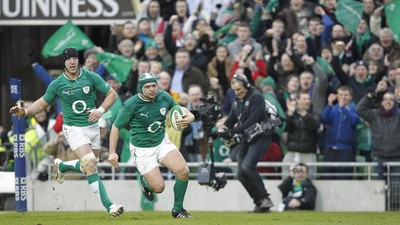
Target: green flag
column 392, row 11
column 68, row 36
column 349, row 14
column 118, row 66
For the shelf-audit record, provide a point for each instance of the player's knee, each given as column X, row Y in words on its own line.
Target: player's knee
column 89, row 163
column 91, row 166
column 159, row 187
column 183, row 173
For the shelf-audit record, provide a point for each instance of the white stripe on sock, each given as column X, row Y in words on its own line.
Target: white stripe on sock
column 95, row 188
column 71, row 163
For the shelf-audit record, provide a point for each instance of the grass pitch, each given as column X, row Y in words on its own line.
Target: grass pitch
column 201, row 218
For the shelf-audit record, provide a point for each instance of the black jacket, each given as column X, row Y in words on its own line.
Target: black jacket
column 247, row 116
column 302, row 132
column 309, row 192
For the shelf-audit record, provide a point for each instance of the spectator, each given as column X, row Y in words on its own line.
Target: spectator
column 298, row 191
column 243, row 38
column 126, row 48
column 155, row 67
column 290, row 91
column 341, row 121
column 220, row 67
column 195, row 145
column 151, row 11
column 252, row 63
column 129, row 31
column 183, row 74
column 361, row 83
column 162, row 51
column 385, row 122
column 374, row 52
column 277, row 33
column 302, row 126
column 281, row 67
column 43, row 126
column 318, row 87
column 364, row 38
column 144, row 30
column 151, row 51
column 190, row 43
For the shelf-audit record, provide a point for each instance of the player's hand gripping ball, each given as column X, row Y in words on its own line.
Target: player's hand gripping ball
column 176, row 114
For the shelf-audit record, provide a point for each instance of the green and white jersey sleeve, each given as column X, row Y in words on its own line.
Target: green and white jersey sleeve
column 146, row 119
column 77, row 97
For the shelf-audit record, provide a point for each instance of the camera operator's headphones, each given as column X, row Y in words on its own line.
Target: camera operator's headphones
column 242, row 78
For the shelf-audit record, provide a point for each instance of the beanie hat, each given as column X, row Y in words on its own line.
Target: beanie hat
column 151, row 43
column 68, row 53
column 145, row 78
column 268, row 81
column 361, row 63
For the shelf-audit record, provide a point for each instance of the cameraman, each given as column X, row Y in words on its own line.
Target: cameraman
column 247, row 110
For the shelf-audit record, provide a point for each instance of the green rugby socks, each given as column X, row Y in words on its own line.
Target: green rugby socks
column 179, row 193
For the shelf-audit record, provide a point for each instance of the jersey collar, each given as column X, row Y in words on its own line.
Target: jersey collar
column 80, row 73
column 143, row 99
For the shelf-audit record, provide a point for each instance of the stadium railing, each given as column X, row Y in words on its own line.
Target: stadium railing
column 362, row 170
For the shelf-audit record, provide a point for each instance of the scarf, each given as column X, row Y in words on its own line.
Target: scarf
column 361, row 39
column 389, row 113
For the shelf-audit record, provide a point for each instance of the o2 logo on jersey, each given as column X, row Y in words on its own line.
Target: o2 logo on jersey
column 154, row 127
column 79, row 106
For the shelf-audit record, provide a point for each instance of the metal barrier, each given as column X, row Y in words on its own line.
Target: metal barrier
column 366, row 169
column 362, row 171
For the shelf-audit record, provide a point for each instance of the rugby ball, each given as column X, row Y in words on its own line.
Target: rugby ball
column 175, row 114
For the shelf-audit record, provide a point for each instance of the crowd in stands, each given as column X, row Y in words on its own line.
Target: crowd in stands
column 309, row 65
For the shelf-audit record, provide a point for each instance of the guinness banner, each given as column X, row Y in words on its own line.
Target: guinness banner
column 57, row 12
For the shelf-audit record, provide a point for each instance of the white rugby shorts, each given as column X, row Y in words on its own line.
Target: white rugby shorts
column 146, row 159
column 78, row 136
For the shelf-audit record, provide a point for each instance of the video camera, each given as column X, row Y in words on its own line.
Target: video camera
column 209, row 113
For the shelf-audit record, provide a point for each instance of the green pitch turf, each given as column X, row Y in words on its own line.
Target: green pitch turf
column 201, row 218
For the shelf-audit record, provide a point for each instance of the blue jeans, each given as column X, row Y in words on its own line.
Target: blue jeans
column 380, row 169
column 248, row 157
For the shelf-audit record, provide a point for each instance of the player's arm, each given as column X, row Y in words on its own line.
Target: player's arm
column 111, row 97
column 113, row 156
column 32, row 110
column 187, row 118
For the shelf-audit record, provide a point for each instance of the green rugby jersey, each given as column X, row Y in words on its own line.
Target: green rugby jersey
column 76, row 96
column 146, row 119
